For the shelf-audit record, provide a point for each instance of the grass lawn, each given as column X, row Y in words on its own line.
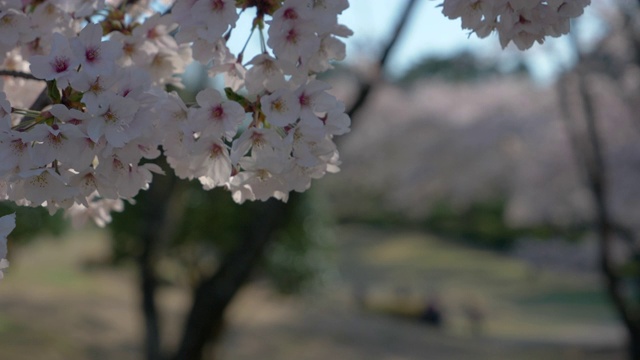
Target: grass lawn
column 54, row 306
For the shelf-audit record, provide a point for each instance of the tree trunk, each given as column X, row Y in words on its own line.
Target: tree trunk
column 634, row 345
column 159, row 220
column 213, row 295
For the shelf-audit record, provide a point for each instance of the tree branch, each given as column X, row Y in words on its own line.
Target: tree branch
column 367, row 85
column 19, row 74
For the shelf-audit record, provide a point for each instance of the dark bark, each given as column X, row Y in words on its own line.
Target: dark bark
column 153, row 234
column 213, row 295
column 18, row 74
column 634, row 345
column 148, row 285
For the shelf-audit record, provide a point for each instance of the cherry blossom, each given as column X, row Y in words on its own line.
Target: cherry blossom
column 216, row 116
column 113, row 120
column 269, row 73
column 523, row 22
column 96, row 57
column 282, row 107
column 60, row 64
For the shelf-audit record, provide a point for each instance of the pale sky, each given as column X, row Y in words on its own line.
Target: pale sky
column 431, row 33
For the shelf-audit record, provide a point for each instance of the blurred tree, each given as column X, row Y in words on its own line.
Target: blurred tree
column 483, row 224
column 463, row 66
column 582, row 117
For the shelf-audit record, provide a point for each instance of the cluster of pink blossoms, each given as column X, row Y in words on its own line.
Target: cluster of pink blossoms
column 107, row 65
column 522, row 21
column 271, row 132
column 111, row 113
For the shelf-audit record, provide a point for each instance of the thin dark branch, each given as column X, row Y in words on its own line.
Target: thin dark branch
column 19, row 74
column 397, row 32
column 367, row 85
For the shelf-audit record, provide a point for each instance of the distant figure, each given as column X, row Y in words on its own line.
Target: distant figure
column 360, row 295
column 476, row 314
column 432, row 314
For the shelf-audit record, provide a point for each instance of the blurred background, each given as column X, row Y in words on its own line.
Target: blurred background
column 487, row 208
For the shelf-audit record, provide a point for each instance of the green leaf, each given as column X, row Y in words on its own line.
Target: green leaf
column 53, row 92
column 234, row 96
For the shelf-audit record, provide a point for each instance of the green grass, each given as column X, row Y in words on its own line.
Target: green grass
column 516, row 299
column 52, row 308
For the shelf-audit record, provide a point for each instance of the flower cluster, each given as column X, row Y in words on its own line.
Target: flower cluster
column 107, row 65
column 271, row 132
column 522, row 21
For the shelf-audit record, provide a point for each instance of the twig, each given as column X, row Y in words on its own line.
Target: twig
column 19, row 74
column 367, row 85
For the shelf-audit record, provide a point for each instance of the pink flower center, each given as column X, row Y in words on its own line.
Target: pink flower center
column 290, row 14
column 92, row 54
column 258, row 139
column 217, row 112
column 304, row 100
column 292, row 36
column 60, row 64
column 217, row 5
column 216, row 150
column 152, row 33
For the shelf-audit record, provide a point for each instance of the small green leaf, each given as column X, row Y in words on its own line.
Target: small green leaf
column 243, row 101
column 53, row 92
